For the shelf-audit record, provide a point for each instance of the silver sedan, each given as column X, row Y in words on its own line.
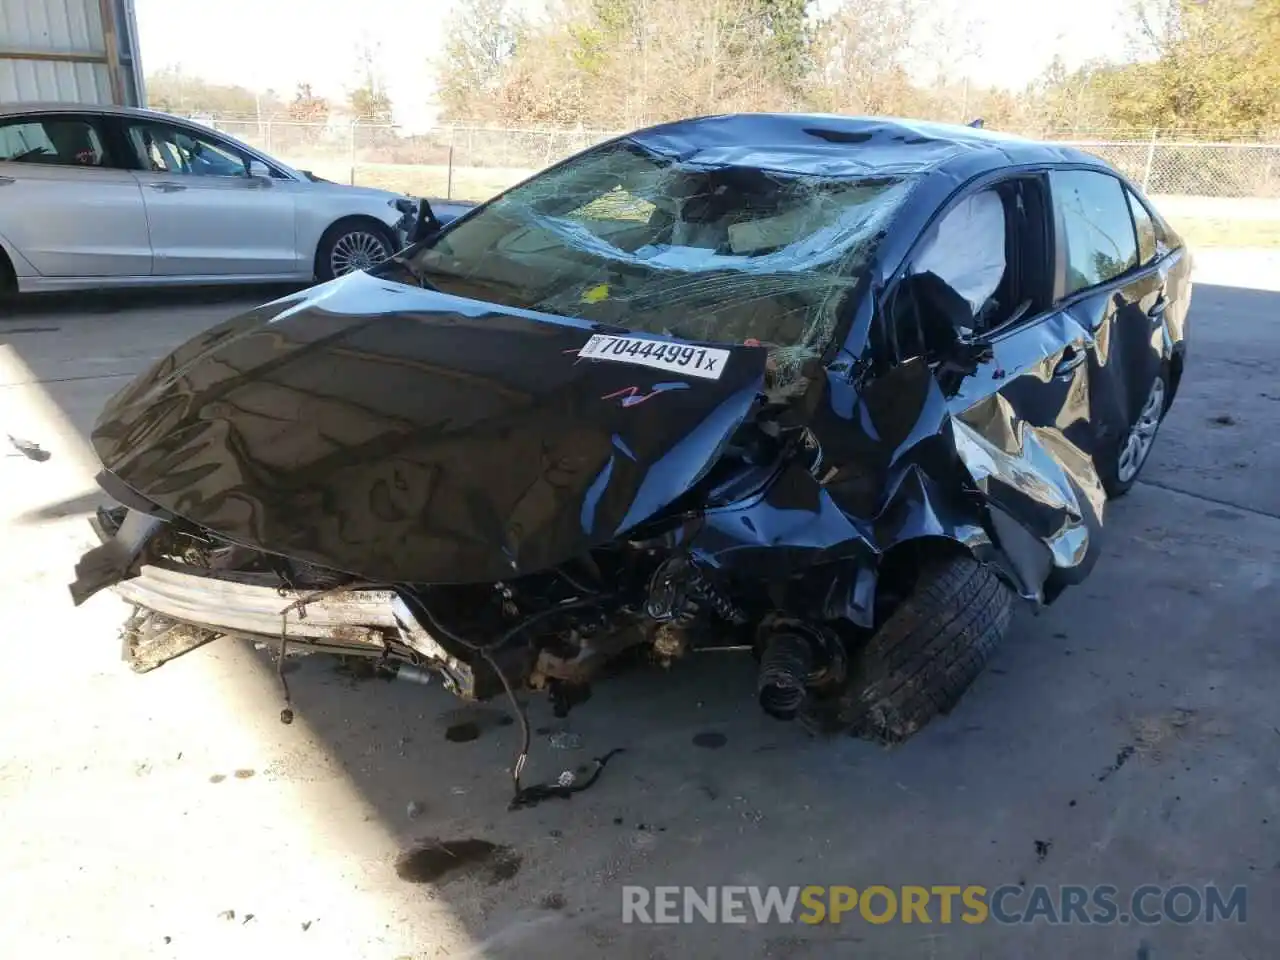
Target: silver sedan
column 94, row 197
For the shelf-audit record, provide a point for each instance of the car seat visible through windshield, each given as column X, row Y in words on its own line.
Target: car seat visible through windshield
column 717, row 253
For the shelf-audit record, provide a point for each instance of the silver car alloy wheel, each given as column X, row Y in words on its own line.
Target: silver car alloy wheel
column 1143, row 434
column 357, row 250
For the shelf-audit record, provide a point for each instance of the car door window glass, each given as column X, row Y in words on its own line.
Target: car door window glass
column 983, row 267
column 1101, row 243
column 164, row 149
column 51, row 140
column 1146, row 230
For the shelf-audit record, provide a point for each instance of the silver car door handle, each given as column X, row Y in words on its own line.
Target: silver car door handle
column 5, row 181
column 167, row 187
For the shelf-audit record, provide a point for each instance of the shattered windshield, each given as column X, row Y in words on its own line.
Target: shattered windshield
column 629, row 238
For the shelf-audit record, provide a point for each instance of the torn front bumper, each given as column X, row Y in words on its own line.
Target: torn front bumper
column 179, row 608
column 356, row 619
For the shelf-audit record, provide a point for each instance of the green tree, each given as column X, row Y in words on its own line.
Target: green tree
column 481, row 38
column 1198, row 66
column 790, row 39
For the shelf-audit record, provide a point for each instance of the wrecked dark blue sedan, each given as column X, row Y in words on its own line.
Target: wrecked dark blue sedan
column 838, row 390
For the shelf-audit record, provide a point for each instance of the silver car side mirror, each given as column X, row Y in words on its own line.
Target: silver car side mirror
column 259, row 171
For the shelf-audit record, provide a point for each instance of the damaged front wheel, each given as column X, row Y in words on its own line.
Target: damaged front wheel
column 929, row 650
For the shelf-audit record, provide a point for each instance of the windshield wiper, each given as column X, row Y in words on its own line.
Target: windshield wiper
column 403, row 266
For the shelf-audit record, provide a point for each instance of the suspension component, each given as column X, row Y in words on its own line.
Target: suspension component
column 796, row 657
column 703, row 588
column 785, row 667
column 668, row 597
column 678, row 587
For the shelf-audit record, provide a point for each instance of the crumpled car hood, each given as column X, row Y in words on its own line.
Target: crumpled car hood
column 408, row 435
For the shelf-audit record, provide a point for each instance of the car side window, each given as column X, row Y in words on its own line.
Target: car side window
column 61, row 141
column 164, row 149
column 979, row 268
column 1098, row 231
column 1146, row 227
column 966, row 250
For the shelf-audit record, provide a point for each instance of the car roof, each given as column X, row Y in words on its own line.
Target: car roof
column 796, row 143
column 837, row 145
column 8, row 111
column 19, row 109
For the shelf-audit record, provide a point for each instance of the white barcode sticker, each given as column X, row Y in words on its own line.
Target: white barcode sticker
column 705, row 362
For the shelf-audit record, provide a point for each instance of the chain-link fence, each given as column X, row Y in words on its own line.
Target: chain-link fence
column 474, row 162
column 1216, row 191
column 471, row 163
column 1189, row 168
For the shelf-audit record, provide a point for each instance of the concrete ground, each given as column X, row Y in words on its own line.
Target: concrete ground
column 1127, row 735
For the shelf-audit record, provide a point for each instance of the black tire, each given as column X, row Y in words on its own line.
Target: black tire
column 358, row 232
column 8, row 279
column 1116, row 479
column 929, row 650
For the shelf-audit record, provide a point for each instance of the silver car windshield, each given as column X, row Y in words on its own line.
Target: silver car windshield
column 632, row 239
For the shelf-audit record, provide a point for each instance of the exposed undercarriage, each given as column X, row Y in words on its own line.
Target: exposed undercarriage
column 552, row 631
column 750, row 556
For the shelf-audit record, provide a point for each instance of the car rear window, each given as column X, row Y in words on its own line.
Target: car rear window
column 1099, row 233
column 57, row 140
column 1146, row 228
column 629, row 238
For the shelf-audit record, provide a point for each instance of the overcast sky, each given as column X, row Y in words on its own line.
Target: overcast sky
column 280, row 43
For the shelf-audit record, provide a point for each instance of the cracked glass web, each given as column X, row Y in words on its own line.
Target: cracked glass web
column 633, row 239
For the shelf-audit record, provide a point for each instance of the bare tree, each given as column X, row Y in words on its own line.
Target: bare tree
column 369, row 100
column 621, row 63
column 307, row 107
column 862, row 53
column 618, row 63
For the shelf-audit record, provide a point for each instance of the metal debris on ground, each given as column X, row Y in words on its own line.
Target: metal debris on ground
column 532, row 796
column 32, row 451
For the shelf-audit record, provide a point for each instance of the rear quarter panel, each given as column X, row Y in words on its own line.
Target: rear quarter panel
column 1180, row 288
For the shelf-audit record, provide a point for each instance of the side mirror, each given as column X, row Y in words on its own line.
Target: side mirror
column 425, row 224
column 259, row 171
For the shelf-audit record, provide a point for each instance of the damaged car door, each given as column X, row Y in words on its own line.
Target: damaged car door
column 977, row 303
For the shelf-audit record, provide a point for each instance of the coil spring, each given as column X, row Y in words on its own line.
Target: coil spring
column 704, row 589
column 785, row 666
